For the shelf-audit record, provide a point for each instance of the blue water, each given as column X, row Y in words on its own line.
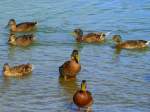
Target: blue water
column 119, row 81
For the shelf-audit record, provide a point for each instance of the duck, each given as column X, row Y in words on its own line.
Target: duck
column 90, row 37
column 21, row 27
column 129, row 44
column 19, row 70
column 70, row 68
column 23, row 40
column 82, row 97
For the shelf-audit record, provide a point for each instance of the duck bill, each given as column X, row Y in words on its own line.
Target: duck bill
column 83, row 85
column 77, row 57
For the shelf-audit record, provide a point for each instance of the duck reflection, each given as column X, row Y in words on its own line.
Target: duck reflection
column 6, row 82
column 68, row 88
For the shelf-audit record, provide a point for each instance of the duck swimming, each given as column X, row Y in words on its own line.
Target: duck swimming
column 90, row 37
column 24, row 40
column 82, row 97
column 19, row 70
column 70, row 68
column 21, row 27
column 129, row 44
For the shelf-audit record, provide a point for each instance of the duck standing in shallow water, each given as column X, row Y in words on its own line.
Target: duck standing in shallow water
column 19, row 70
column 24, row 40
column 82, row 97
column 89, row 38
column 70, row 68
column 21, row 27
column 129, row 44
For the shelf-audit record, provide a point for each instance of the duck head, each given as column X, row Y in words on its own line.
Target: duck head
column 6, row 67
column 12, row 39
column 75, row 56
column 117, row 39
column 78, row 33
column 12, row 24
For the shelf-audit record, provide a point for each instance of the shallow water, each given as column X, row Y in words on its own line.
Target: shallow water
column 119, row 81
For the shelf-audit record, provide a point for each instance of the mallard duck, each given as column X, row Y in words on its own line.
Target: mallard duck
column 21, row 27
column 90, row 37
column 82, row 97
column 19, row 70
column 129, row 44
column 24, row 40
column 70, row 68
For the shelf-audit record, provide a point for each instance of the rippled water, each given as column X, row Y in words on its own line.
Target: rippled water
column 119, row 81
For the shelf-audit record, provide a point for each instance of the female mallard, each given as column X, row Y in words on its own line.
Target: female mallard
column 24, row 40
column 70, row 68
column 82, row 97
column 19, row 70
column 129, row 44
column 89, row 38
column 21, row 27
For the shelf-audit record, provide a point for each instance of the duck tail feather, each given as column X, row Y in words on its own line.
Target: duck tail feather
column 148, row 42
column 108, row 34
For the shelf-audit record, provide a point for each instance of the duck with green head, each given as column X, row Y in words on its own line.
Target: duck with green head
column 70, row 68
column 129, row 44
column 82, row 97
column 21, row 27
column 90, row 37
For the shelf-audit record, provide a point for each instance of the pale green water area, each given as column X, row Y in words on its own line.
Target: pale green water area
column 119, row 82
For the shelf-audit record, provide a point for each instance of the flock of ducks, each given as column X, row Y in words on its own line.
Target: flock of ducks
column 69, row 69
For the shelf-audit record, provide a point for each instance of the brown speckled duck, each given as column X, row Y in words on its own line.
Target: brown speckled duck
column 21, row 27
column 19, row 70
column 24, row 40
column 129, row 44
column 82, row 97
column 90, row 37
column 70, row 68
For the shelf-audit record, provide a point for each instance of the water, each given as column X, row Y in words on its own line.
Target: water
column 119, row 81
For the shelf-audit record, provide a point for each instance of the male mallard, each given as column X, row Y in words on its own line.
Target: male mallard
column 89, row 38
column 21, row 27
column 70, row 68
column 129, row 44
column 19, row 70
column 82, row 97
column 24, row 40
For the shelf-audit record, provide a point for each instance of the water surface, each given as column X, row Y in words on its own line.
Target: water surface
column 119, row 81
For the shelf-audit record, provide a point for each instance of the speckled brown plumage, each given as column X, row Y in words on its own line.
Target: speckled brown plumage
column 129, row 44
column 90, row 37
column 70, row 68
column 24, row 40
column 19, row 70
column 21, row 27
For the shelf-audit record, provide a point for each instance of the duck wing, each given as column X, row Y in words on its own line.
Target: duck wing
column 22, row 69
column 26, row 24
column 64, row 68
column 91, row 35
